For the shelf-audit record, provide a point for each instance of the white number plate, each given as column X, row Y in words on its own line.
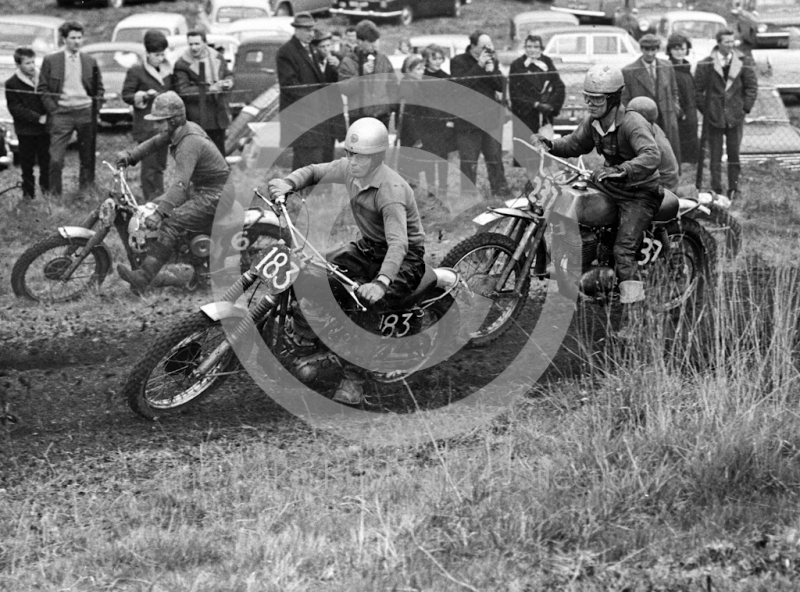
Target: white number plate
column 277, row 269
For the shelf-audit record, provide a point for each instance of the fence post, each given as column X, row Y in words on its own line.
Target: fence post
column 95, row 118
column 202, row 95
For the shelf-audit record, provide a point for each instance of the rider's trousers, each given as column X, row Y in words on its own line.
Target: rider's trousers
column 195, row 215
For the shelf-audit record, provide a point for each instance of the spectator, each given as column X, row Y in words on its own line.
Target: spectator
column 214, row 114
column 334, row 128
column 350, row 41
column 727, row 87
column 678, row 48
column 477, row 69
column 370, row 82
column 536, row 92
column 651, row 77
column 336, row 43
column 28, row 112
column 404, row 47
column 68, row 82
column 143, row 82
column 300, row 76
column 412, row 118
column 440, row 137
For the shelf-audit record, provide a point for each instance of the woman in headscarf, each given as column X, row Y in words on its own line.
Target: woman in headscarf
column 537, row 94
column 678, row 47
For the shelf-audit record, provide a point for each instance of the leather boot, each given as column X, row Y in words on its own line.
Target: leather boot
column 631, row 296
column 139, row 280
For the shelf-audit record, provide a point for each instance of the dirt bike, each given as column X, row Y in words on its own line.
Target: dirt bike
column 676, row 258
column 64, row 266
column 197, row 353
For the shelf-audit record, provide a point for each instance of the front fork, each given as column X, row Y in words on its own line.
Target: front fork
column 530, row 240
column 97, row 238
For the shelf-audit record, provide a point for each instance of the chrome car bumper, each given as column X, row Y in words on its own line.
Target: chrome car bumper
column 371, row 14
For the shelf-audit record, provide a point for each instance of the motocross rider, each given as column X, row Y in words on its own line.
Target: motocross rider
column 389, row 253
column 630, row 172
column 189, row 204
column 668, row 168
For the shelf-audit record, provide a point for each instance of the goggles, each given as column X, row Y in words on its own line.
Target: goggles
column 594, row 100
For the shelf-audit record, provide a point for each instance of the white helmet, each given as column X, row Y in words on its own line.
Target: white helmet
column 367, row 136
column 602, row 79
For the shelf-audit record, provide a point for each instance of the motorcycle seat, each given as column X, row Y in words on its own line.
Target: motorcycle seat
column 429, row 278
column 669, row 207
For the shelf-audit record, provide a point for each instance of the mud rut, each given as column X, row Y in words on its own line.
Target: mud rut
column 65, row 392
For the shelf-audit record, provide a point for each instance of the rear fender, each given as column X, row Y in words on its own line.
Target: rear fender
column 689, row 205
column 217, row 311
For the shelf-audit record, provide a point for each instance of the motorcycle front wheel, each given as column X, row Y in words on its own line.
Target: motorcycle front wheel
column 683, row 275
column 36, row 275
column 480, row 260
column 162, row 382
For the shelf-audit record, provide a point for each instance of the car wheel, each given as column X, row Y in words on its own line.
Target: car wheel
column 406, row 16
column 455, row 11
column 283, row 10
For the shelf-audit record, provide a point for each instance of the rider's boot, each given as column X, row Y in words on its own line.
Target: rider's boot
column 139, row 279
column 631, row 296
column 351, row 388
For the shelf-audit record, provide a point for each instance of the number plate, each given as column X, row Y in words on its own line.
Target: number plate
column 397, row 324
column 277, row 269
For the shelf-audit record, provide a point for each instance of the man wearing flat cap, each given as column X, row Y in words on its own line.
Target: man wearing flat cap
column 371, row 85
column 335, row 127
column 654, row 78
column 299, row 76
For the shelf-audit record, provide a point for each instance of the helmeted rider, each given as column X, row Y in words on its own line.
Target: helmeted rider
column 668, row 168
column 630, row 172
column 389, row 253
column 189, row 204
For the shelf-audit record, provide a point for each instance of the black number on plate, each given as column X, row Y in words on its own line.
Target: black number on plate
column 277, row 269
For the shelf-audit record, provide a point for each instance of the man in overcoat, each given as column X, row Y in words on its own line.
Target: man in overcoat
column 69, row 82
column 654, row 78
column 726, row 85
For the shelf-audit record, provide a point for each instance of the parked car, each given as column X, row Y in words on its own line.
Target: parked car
column 98, row 3
column 403, row 11
column 642, row 16
column 9, row 144
column 600, row 12
column 594, row 45
column 133, row 28
column 218, row 15
column 292, row 7
column 452, row 43
column 531, row 23
column 700, row 27
column 255, row 69
column 114, row 58
column 277, row 26
column 37, row 31
column 763, row 23
column 768, row 132
column 227, row 45
column 780, row 68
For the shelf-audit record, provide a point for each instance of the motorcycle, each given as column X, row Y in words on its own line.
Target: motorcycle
column 198, row 352
column 676, row 258
column 64, row 266
column 712, row 211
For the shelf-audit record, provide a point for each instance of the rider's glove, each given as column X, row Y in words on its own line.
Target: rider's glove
column 124, row 159
column 372, row 292
column 278, row 188
column 538, row 140
column 612, row 173
column 153, row 221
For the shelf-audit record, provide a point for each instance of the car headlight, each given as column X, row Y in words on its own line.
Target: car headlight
column 762, row 28
column 644, row 25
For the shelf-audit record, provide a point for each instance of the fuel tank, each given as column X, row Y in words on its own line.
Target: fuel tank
column 589, row 207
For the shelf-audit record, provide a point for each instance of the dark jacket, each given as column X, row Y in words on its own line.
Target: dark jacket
column 725, row 102
column 141, row 78
column 186, row 82
column 687, row 127
column 374, row 95
column 528, row 85
column 465, row 70
column 51, row 79
column 298, row 76
column 631, row 146
column 639, row 83
column 26, row 108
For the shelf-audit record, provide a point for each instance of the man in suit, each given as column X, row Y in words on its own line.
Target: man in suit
column 143, row 82
column 214, row 115
column 726, row 85
column 651, row 77
column 69, row 82
column 299, row 76
column 334, row 128
column 29, row 116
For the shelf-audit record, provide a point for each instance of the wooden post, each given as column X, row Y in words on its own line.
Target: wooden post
column 95, row 119
column 202, row 96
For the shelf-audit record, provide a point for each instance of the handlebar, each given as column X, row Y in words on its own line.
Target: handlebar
column 581, row 171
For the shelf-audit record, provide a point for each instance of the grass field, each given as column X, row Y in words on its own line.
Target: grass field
column 651, row 468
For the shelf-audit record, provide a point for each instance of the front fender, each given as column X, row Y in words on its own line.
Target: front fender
column 76, row 232
column 216, row 311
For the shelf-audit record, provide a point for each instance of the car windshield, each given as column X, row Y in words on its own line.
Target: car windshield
column 778, row 4
column 137, row 35
column 40, row 39
column 230, row 14
column 115, row 61
column 698, row 29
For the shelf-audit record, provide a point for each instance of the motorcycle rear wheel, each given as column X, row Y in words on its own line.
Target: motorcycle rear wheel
column 722, row 226
column 161, row 384
column 53, row 254
column 481, row 259
column 684, row 277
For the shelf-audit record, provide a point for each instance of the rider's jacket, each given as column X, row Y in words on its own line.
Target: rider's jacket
column 628, row 143
column 197, row 161
column 383, row 206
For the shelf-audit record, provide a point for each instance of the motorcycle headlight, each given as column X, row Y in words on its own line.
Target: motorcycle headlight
column 107, row 213
column 762, row 28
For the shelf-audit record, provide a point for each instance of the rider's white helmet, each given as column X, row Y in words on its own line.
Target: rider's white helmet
column 367, row 136
column 602, row 79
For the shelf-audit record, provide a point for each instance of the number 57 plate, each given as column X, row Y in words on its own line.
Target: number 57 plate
column 277, row 268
